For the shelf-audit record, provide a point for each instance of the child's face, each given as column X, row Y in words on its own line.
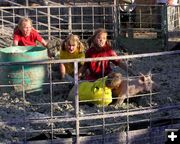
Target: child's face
column 101, row 39
column 26, row 28
column 71, row 47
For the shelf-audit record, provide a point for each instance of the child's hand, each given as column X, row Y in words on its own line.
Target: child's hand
column 125, row 53
column 80, row 75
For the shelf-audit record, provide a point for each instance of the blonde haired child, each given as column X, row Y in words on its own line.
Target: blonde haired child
column 72, row 48
column 26, row 35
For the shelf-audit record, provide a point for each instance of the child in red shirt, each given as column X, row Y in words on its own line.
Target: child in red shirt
column 26, row 35
column 100, row 47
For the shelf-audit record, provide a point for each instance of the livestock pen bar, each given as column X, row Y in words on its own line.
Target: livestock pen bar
column 47, row 116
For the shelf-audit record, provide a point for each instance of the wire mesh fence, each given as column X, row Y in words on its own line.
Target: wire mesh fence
column 47, row 115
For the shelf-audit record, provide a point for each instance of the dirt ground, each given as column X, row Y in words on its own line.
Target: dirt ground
column 16, row 108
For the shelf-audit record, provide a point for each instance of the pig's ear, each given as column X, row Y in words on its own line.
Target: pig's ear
column 149, row 73
column 141, row 74
column 142, row 79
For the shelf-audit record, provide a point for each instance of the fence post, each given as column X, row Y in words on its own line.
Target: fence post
column 70, row 20
column 76, row 100
column 165, row 26
column 49, row 22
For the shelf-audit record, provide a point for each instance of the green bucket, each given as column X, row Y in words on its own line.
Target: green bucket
column 23, row 77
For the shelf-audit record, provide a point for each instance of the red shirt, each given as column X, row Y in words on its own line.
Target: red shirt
column 29, row 40
column 97, row 68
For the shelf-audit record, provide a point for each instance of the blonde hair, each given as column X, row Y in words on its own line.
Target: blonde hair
column 22, row 20
column 71, row 39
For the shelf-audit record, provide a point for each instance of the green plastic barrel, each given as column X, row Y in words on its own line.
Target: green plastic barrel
column 23, row 77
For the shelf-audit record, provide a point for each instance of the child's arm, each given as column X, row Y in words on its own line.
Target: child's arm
column 122, row 65
column 44, row 43
column 15, row 43
column 62, row 70
column 15, row 39
column 82, row 71
column 126, row 68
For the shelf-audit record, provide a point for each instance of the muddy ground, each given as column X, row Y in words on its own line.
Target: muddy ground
column 17, row 108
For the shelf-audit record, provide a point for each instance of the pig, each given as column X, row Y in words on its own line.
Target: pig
column 122, row 87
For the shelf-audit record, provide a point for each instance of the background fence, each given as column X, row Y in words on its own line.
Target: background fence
column 48, row 117
column 57, row 20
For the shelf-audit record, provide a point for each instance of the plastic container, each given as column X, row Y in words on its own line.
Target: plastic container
column 23, row 77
